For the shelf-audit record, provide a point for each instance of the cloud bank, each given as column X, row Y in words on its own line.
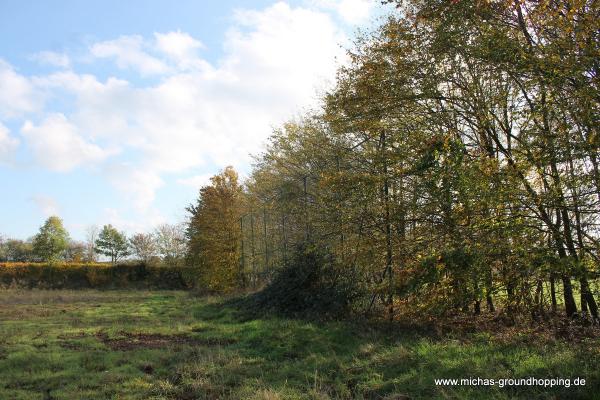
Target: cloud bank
column 184, row 113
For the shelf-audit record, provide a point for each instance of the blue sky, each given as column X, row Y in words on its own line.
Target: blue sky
column 117, row 112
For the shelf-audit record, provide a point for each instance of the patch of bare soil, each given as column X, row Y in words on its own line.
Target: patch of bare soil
column 147, row 369
column 78, row 335
column 72, row 345
column 71, row 342
column 132, row 341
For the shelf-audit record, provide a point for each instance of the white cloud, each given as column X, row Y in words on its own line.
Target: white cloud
column 274, row 62
column 355, row 11
column 199, row 114
column 100, row 107
column 351, row 11
column 17, row 94
column 8, row 144
column 57, row 144
column 52, row 58
column 179, row 46
column 196, row 181
column 138, row 185
column 47, row 205
column 129, row 53
column 283, row 50
column 149, row 221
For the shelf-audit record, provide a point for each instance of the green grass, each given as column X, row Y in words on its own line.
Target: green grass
column 170, row 345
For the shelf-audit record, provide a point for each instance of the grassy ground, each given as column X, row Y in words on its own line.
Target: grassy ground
column 170, row 345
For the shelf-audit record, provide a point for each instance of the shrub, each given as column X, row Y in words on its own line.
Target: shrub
column 311, row 284
column 92, row 275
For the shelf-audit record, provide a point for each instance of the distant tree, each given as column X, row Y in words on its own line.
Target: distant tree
column 52, row 240
column 112, row 243
column 143, row 246
column 170, row 242
column 76, row 252
column 91, row 235
column 3, row 252
column 19, row 250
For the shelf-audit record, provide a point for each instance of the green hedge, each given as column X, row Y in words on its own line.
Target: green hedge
column 97, row 276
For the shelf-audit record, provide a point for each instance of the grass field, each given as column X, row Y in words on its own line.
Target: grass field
column 171, row 345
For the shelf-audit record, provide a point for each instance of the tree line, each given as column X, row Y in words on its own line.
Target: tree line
column 53, row 243
column 453, row 168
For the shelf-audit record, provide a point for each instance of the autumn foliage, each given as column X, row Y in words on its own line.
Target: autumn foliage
column 214, row 233
column 453, row 169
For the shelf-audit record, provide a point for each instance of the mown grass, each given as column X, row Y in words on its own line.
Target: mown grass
column 170, row 345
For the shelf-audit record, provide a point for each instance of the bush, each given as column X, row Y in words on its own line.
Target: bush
column 92, row 275
column 311, row 284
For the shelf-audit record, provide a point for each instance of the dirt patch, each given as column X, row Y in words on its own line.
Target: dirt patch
column 147, row 369
column 70, row 341
column 78, row 335
column 132, row 341
column 216, row 341
column 72, row 346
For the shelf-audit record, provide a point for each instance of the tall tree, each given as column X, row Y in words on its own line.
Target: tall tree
column 52, row 240
column 112, row 243
column 455, row 161
column 214, row 232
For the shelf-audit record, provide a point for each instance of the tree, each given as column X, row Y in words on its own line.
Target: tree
column 214, row 232
column 76, row 252
column 455, row 161
column 3, row 248
column 143, row 245
column 520, row 79
column 112, row 243
column 52, row 240
column 91, row 235
column 19, row 250
column 170, row 242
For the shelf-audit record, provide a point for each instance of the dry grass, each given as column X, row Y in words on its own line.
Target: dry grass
column 171, row 345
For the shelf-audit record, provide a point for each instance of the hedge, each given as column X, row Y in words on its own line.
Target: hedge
column 96, row 275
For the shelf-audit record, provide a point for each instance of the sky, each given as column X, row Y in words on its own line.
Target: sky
column 119, row 111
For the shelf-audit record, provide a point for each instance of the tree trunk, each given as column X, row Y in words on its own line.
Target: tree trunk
column 477, row 307
column 242, row 259
column 553, row 293
column 265, row 240
column 252, row 249
column 587, row 298
column 570, row 306
column 488, row 290
column 388, row 229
